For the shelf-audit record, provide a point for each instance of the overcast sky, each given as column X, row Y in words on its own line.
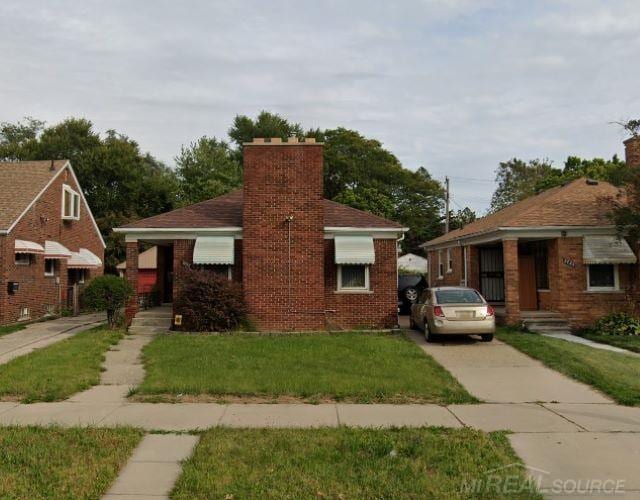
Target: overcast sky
column 453, row 85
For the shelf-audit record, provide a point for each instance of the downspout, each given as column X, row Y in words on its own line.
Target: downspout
column 397, row 276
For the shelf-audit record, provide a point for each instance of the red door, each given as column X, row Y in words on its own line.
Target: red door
column 527, row 277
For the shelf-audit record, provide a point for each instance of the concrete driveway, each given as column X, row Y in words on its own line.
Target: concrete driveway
column 45, row 333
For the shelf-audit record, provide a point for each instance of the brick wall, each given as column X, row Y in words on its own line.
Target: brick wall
column 282, row 181
column 449, row 278
column 378, row 309
column 632, row 151
column 42, row 222
column 511, row 281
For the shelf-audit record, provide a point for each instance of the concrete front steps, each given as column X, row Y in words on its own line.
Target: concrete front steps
column 152, row 321
column 545, row 322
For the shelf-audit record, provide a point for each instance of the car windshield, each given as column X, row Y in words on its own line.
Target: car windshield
column 458, row 297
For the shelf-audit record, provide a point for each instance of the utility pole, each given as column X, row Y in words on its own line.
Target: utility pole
column 446, row 205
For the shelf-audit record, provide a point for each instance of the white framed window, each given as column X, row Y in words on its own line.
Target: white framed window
column 25, row 314
column 22, row 259
column 603, row 278
column 440, row 265
column 49, row 267
column 70, row 203
column 449, row 261
column 82, row 276
column 353, row 277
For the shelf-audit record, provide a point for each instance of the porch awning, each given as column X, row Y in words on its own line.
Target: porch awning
column 607, row 250
column 213, row 250
column 24, row 246
column 84, row 259
column 55, row 250
column 354, row 250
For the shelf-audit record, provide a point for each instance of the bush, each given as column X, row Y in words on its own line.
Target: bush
column 618, row 324
column 107, row 293
column 209, row 302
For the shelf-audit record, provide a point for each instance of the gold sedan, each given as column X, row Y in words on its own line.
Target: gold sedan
column 453, row 310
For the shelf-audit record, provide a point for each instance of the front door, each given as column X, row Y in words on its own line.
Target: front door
column 527, row 278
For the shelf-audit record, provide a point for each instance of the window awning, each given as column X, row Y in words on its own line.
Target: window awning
column 354, row 250
column 607, row 250
column 24, row 246
column 213, row 250
column 55, row 250
column 84, row 259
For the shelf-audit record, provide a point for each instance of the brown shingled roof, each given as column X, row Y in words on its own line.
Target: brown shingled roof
column 226, row 211
column 577, row 203
column 22, row 181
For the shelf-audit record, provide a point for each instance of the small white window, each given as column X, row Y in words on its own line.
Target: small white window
column 82, row 276
column 440, row 265
column 602, row 278
column 70, row 203
column 353, row 277
column 23, row 259
column 24, row 314
column 449, row 261
column 49, row 267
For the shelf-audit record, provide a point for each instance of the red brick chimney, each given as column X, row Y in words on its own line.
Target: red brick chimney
column 632, row 151
column 283, row 234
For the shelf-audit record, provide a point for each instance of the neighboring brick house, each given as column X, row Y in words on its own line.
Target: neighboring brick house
column 50, row 244
column 305, row 263
column 555, row 251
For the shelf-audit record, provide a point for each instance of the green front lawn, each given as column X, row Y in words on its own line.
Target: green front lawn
column 58, row 371
column 617, row 375
column 629, row 342
column 354, row 367
column 349, row 463
column 4, row 330
column 52, row 462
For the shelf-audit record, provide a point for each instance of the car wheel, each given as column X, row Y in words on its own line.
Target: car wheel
column 428, row 336
column 487, row 337
column 411, row 294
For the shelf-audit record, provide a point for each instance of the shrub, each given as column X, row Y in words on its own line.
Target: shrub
column 209, row 302
column 107, row 293
column 618, row 324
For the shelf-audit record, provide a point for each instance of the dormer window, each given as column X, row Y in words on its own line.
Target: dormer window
column 70, row 203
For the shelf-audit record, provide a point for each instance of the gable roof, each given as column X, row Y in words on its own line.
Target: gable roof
column 226, row 211
column 578, row 203
column 28, row 181
column 25, row 180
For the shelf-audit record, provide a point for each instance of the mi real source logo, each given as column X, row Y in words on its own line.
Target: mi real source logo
column 509, row 480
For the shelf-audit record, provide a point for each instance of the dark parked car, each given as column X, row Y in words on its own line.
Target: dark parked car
column 409, row 288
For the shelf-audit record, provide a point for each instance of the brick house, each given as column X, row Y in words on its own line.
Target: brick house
column 50, row 245
column 555, row 251
column 305, row 263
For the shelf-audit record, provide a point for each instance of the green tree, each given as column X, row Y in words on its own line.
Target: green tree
column 267, row 124
column 120, row 183
column 517, row 180
column 459, row 219
column 367, row 199
column 107, row 293
column 207, row 168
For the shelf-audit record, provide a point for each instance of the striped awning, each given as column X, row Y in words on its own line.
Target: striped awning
column 213, row 250
column 84, row 259
column 55, row 250
column 354, row 250
column 24, row 246
column 607, row 250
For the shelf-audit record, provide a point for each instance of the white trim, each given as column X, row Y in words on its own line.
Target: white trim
column 616, row 279
column 449, row 261
column 440, row 272
column 49, row 274
column 366, row 288
column 74, row 196
column 334, row 229
column 44, row 189
column 506, row 232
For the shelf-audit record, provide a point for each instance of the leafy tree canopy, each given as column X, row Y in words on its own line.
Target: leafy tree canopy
column 119, row 181
column 207, row 168
column 517, row 179
column 459, row 219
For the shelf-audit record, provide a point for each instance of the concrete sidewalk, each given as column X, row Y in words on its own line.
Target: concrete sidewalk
column 43, row 334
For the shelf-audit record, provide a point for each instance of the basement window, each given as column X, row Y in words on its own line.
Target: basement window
column 70, row 203
column 602, row 278
column 353, row 277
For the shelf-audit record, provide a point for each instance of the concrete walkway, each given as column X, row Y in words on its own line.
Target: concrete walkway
column 153, row 468
column 43, row 334
column 596, row 345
